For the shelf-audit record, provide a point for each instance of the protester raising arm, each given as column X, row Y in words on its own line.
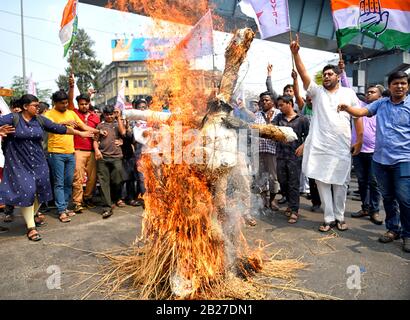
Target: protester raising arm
column 71, row 92
column 269, row 83
column 299, row 99
column 294, row 48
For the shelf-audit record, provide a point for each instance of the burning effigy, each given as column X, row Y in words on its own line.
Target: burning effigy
column 189, row 246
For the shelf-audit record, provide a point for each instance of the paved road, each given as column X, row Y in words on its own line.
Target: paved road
column 385, row 268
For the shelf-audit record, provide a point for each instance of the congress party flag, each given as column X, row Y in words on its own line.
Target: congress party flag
column 69, row 25
column 388, row 21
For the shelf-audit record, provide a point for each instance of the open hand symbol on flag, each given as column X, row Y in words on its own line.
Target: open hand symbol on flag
column 372, row 19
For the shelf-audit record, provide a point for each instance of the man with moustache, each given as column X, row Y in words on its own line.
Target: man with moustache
column 327, row 149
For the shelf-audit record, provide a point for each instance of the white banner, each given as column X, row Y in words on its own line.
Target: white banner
column 32, row 89
column 271, row 16
column 121, row 96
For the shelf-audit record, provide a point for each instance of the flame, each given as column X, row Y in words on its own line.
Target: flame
column 180, row 224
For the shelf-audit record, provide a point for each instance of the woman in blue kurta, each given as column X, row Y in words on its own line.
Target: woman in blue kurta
column 25, row 175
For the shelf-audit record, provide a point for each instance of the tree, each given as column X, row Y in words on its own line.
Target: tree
column 83, row 64
column 18, row 89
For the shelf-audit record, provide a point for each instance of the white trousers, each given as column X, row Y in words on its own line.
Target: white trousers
column 334, row 203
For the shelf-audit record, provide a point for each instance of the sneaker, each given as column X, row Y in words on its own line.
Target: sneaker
column 389, row 236
column 359, row 214
column 78, row 208
column 406, row 244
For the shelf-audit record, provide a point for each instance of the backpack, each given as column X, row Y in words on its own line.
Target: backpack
column 16, row 119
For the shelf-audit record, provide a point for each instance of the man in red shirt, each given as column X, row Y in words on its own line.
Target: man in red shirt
column 85, row 163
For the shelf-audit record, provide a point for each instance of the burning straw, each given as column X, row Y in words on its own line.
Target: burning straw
column 190, row 245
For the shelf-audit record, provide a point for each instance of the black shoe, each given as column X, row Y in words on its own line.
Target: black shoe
column 8, row 218
column 89, row 204
column 359, row 214
column 282, row 200
column 406, row 244
column 375, row 218
column 107, row 213
column 389, row 236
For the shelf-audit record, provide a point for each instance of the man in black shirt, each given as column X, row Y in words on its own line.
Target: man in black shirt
column 289, row 160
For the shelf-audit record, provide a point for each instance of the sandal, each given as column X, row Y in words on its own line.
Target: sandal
column 325, row 227
column 107, row 213
column 69, row 213
column 120, row 204
column 293, row 218
column 288, row 212
column 40, row 219
column 33, row 236
column 341, row 225
column 249, row 220
column 133, row 203
column 64, row 218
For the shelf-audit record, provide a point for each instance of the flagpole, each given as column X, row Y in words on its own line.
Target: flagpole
column 22, row 48
column 290, row 41
column 290, row 35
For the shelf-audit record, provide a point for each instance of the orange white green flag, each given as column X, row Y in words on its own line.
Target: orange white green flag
column 69, row 25
column 388, row 21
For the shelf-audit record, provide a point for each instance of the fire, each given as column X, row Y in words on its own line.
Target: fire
column 185, row 253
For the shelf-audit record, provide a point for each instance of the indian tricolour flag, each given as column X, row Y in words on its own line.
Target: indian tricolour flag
column 69, row 24
column 388, row 21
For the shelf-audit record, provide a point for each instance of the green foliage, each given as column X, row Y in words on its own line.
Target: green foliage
column 83, row 64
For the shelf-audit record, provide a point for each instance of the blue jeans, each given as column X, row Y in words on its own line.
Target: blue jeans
column 62, row 170
column 368, row 187
column 394, row 182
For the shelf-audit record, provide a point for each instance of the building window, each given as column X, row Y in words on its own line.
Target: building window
column 126, row 83
column 135, row 84
column 140, row 83
column 145, row 83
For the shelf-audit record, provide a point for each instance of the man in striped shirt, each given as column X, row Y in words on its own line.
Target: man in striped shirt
column 267, row 180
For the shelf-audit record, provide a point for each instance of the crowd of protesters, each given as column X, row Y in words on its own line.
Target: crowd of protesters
column 334, row 128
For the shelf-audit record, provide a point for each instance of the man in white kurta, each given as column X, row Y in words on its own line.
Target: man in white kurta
column 327, row 149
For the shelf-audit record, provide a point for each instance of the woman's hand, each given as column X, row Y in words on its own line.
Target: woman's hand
column 6, row 129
